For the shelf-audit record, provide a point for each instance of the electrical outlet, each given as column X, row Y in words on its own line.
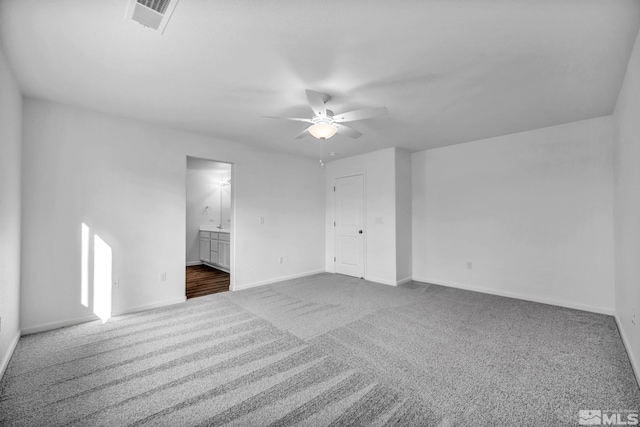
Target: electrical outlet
column 163, row 277
column 116, row 283
column 281, row 260
column 261, row 220
column 469, row 265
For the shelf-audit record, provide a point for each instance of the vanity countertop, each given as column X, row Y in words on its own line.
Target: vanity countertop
column 214, row 228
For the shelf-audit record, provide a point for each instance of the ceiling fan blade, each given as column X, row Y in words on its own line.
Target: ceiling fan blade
column 296, row 119
column 347, row 131
column 317, row 103
column 366, row 113
column 302, row 134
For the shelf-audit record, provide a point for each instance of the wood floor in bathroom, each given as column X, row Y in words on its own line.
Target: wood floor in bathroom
column 203, row 280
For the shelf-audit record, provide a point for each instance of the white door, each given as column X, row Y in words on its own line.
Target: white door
column 349, row 225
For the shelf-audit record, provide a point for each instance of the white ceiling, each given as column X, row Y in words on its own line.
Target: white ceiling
column 449, row 71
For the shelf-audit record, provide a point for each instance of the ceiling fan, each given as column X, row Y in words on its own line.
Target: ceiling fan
column 325, row 124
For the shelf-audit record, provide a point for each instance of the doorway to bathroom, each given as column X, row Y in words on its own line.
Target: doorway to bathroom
column 209, row 225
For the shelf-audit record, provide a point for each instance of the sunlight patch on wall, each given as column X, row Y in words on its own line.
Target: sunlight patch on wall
column 84, row 278
column 102, row 263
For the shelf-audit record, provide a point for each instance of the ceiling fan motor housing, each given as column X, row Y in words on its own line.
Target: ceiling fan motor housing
column 328, row 118
column 324, row 124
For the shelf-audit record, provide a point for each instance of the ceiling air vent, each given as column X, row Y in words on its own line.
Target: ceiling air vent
column 151, row 13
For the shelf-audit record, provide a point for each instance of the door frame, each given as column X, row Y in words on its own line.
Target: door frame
column 364, row 219
column 232, row 215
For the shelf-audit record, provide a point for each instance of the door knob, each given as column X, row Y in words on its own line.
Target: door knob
column 360, row 232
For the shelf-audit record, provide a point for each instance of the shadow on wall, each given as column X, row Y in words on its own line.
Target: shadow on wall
column 96, row 274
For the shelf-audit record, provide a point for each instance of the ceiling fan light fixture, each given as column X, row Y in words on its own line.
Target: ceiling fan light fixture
column 325, row 124
column 322, row 130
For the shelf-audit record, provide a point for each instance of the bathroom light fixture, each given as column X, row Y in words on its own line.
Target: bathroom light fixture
column 322, row 130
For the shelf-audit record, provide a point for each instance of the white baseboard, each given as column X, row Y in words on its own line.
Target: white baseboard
column 60, row 324
column 403, row 281
column 276, row 280
column 635, row 364
column 389, row 282
column 93, row 317
column 7, row 357
column 583, row 307
column 381, row 281
column 150, row 306
column 192, row 263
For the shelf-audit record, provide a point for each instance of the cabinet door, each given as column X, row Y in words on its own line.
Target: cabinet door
column 205, row 250
column 223, row 253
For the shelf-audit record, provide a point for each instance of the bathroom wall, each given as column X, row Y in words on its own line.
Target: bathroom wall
column 208, row 201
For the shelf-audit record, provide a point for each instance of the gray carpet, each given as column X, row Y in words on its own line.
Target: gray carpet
column 324, row 350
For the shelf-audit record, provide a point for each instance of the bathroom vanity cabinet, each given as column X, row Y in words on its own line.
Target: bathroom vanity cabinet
column 215, row 248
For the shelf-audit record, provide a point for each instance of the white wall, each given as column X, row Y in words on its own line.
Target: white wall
column 203, row 190
column 380, row 211
column 10, row 182
column 126, row 180
column 627, row 208
column 403, row 216
column 531, row 211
